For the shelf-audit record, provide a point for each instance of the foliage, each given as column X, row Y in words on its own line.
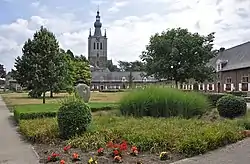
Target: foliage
column 2, row 71
column 74, row 116
column 163, row 102
column 214, row 97
column 239, row 93
column 81, row 70
column 189, row 137
column 131, row 66
column 113, row 90
column 33, row 111
column 28, row 116
column 39, row 130
column 177, row 54
column 230, row 106
column 35, row 93
column 112, row 67
column 42, row 66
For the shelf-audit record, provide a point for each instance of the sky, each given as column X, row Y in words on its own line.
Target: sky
column 129, row 23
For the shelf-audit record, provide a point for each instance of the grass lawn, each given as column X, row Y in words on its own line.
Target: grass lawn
column 13, row 99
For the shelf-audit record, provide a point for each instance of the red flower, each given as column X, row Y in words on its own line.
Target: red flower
column 75, row 156
column 66, row 148
column 62, row 162
column 116, row 152
column 123, row 146
column 134, row 148
column 54, row 155
column 49, row 158
column 100, row 150
column 110, row 144
column 116, row 146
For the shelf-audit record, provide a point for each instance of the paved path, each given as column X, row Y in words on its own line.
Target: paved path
column 238, row 153
column 12, row 149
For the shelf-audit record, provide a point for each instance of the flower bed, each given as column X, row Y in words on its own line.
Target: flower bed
column 175, row 137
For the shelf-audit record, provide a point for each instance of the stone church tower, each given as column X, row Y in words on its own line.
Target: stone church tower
column 97, row 46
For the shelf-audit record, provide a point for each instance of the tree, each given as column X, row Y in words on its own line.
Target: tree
column 112, row 67
column 42, row 66
column 178, row 55
column 2, row 71
column 131, row 66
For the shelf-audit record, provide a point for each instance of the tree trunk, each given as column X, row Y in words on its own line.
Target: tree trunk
column 51, row 93
column 176, row 84
column 43, row 97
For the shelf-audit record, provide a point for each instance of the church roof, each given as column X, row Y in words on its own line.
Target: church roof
column 118, row 76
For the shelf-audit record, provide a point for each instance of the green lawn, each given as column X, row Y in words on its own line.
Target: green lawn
column 53, row 107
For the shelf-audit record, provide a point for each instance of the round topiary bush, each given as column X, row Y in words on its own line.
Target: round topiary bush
column 73, row 117
column 230, row 106
column 163, row 102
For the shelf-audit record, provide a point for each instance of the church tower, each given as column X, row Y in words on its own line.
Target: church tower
column 97, row 46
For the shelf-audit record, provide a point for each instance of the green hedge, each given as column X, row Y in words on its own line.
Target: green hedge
column 112, row 90
column 50, row 114
column 239, row 93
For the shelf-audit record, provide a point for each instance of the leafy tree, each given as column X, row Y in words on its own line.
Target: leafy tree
column 2, row 71
column 131, row 66
column 177, row 54
column 112, row 67
column 42, row 66
column 81, row 70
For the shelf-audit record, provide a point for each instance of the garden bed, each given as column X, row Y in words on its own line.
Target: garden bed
column 182, row 138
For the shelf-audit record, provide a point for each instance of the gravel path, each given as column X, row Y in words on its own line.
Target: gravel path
column 238, row 153
column 12, row 149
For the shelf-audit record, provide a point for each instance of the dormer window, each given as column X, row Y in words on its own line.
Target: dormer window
column 218, row 67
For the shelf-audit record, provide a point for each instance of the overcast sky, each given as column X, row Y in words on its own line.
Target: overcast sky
column 129, row 23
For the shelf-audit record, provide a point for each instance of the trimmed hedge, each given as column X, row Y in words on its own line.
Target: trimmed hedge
column 239, row 93
column 231, row 106
column 51, row 114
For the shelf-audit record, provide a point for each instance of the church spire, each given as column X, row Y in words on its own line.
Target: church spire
column 98, row 24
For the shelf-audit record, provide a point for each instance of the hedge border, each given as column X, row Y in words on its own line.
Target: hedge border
column 34, row 115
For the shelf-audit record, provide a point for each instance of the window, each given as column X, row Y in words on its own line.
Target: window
column 210, row 87
column 94, row 45
column 97, row 46
column 98, row 55
column 245, row 81
column 97, row 63
column 101, row 46
column 229, row 80
column 219, row 67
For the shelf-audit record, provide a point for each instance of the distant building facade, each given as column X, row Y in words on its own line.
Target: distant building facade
column 102, row 77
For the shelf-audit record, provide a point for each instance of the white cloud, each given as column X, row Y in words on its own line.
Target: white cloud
column 128, row 30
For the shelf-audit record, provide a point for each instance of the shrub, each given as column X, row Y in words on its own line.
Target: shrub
column 231, row 106
column 39, row 130
column 163, row 102
column 73, row 117
column 214, row 97
column 33, row 115
column 239, row 93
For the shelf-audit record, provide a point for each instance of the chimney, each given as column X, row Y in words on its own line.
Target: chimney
column 222, row 49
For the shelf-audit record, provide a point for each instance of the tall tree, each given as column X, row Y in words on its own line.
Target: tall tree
column 177, row 54
column 112, row 67
column 42, row 66
column 2, row 71
column 131, row 66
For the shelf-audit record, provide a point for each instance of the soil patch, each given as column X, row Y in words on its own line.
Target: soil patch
column 44, row 151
